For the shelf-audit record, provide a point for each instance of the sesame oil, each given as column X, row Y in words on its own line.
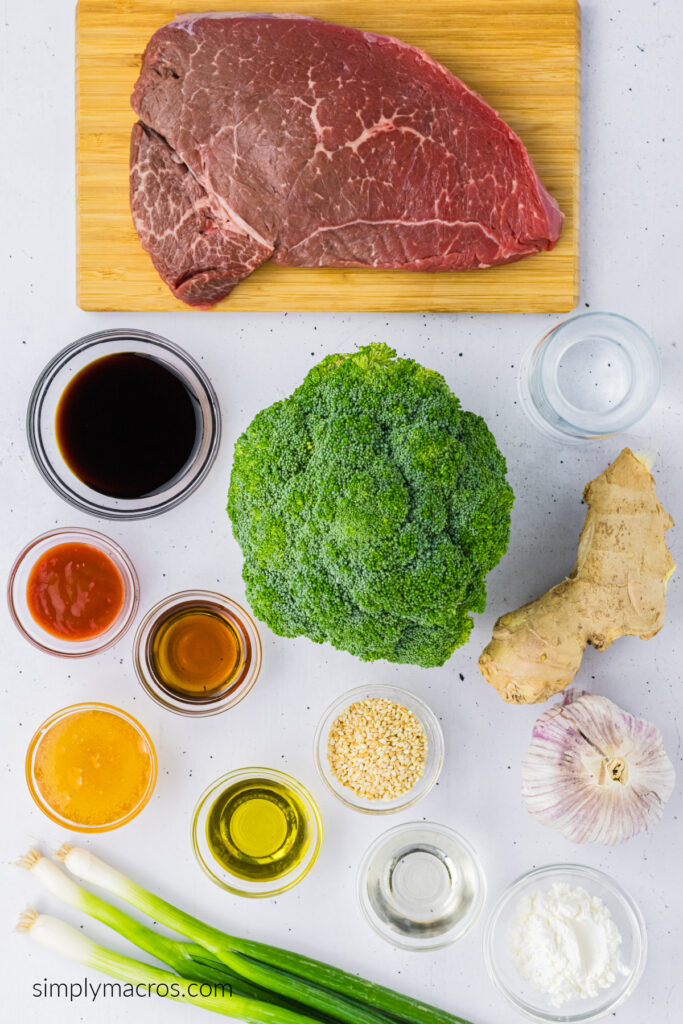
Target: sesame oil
column 198, row 652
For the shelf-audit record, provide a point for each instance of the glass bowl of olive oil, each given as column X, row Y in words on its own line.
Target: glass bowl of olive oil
column 197, row 653
column 256, row 832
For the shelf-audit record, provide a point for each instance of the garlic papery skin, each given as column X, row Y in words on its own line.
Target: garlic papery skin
column 595, row 772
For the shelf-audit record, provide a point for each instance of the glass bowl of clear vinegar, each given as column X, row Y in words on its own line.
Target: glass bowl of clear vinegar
column 421, row 886
column 590, row 377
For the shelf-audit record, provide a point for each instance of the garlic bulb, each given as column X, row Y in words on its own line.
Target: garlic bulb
column 595, row 772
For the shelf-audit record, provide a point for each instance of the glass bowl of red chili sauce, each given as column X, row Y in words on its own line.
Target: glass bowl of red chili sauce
column 73, row 592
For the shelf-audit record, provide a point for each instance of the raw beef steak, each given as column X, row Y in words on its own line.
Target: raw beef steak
column 290, row 139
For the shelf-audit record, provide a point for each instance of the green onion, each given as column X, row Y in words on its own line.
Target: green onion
column 317, row 985
column 188, row 959
column 91, row 869
column 56, row 935
column 170, row 951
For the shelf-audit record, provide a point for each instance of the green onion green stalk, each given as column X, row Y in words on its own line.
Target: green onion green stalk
column 267, row 982
column 191, row 961
column 57, row 935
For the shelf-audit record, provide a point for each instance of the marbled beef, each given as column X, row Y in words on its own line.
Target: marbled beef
column 266, row 137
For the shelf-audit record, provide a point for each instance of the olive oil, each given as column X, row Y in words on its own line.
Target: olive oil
column 257, row 829
column 197, row 652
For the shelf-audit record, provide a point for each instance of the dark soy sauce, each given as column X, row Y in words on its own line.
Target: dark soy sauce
column 127, row 425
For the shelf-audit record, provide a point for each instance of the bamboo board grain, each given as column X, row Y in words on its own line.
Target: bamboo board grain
column 521, row 55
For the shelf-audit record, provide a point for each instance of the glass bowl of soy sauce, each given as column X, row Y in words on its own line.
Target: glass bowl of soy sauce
column 123, row 424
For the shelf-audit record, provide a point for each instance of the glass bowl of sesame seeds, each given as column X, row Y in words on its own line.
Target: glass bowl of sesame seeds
column 379, row 749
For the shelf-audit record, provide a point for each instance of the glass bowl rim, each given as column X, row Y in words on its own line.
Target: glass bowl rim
column 251, row 773
column 196, row 472
column 47, row 724
column 576, row 433
column 478, row 905
column 424, row 714
column 123, row 563
column 627, row 902
column 157, row 693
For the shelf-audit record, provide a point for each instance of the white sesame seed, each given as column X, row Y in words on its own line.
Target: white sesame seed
column 377, row 748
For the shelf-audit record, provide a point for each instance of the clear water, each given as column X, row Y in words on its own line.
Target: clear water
column 421, row 889
column 594, row 375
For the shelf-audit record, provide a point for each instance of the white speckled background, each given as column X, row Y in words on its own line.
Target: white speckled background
column 632, row 259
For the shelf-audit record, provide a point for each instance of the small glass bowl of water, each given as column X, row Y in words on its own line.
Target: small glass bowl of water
column 592, row 376
column 421, row 886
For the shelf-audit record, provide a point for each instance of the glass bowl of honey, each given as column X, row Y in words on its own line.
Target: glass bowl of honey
column 72, row 592
column 256, row 832
column 123, row 424
column 91, row 767
column 197, row 653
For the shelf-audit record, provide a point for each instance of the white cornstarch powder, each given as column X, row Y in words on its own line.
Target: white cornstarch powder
column 565, row 944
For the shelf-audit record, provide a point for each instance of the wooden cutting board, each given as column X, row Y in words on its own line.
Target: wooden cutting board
column 523, row 56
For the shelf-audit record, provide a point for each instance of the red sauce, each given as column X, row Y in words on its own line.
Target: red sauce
column 75, row 591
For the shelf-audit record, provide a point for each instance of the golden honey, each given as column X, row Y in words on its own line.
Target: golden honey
column 91, row 766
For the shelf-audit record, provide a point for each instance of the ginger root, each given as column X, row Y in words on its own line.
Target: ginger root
column 616, row 588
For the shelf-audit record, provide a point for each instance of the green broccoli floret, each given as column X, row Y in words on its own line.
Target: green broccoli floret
column 369, row 508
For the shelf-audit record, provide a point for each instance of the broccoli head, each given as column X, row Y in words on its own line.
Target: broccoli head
column 369, row 508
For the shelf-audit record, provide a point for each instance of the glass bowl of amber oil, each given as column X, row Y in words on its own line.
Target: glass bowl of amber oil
column 256, row 832
column 123, row 424
column 197, row 653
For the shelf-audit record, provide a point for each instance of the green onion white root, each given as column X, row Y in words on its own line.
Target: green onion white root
column 268, row 984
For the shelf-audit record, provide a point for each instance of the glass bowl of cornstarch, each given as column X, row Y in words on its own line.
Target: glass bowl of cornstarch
column 565, row 943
